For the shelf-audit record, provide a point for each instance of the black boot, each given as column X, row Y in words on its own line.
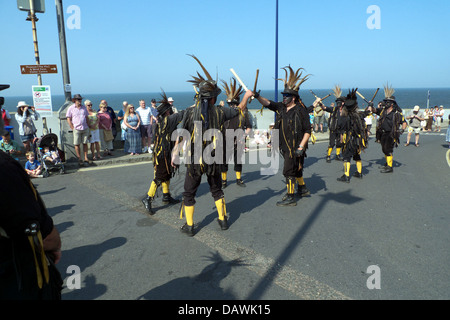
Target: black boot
column 358, row 175
column 167, row 199
column 287, row 201
column 383, row 167
column 240, row 183
column 339, row 158
column 223, row 223
column 188, row 230
column 147, row 201
column 387, row 169
column 303, row 191
column 344, row 178
column 328, row 159
column 224, row 184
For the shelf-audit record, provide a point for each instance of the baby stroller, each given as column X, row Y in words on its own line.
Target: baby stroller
column 50, row 142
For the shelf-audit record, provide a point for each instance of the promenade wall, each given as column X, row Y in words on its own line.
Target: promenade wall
column 55, row 125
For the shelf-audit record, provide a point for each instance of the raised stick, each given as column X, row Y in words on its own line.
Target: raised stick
column 238, row 79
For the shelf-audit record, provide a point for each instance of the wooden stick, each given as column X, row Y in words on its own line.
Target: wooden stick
column 374, row 95
column 359, row 94
column 238, row 79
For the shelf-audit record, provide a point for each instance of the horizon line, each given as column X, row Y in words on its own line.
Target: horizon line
column 187, row 91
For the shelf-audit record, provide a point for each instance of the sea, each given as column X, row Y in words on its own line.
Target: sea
column 406, row 98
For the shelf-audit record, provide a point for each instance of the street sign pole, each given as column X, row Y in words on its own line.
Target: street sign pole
column 36, row 54
column 63, row 49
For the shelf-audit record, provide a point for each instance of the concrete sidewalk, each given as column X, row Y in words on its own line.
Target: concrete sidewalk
column 119, row 156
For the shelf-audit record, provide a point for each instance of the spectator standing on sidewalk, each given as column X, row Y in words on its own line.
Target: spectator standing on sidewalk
column 77, row 117
column 145, row 115
column 414, row 119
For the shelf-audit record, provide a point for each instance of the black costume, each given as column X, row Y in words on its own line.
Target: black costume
column 201, row 118
column 333, row 122
column 388, row 130
column 293, row 125
column 354, row 135
column 162, row 152
column 26, row 271
column 237, row 125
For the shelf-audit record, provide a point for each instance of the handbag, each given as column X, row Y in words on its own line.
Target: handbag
column 28, row 127
column 123, row 126
column 108, row 136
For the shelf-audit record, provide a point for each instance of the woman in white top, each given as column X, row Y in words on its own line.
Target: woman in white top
column 24, row 117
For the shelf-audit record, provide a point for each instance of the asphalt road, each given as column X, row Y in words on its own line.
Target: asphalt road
column 324, row 248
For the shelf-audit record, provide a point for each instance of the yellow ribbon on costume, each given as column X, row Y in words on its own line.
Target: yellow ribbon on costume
column 313, row 138
column 261, row 111
column 43, row 259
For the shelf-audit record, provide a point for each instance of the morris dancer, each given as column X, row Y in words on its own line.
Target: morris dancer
column 203, row 116
column 388, row 127
column 292, row 119
column 162, row 153
column 354, row 136
column 239, row 125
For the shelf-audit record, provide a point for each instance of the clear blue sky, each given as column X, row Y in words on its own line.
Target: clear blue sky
column 141, row 45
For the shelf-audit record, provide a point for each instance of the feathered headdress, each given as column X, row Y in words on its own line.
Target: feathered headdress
column 164, row 104
column 389, row 92
column 290, row 81
column 337, row 92
column 232, row 91
column 351, row 102
column 206, row 88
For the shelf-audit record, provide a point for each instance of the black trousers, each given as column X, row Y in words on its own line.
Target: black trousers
column 163, row 169
column 348, row 153
column 237, row 166
column 293, row 167
column 193, row 180
column 387, row 143
column 335, row 140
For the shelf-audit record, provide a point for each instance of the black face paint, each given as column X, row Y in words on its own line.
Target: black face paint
column 287, row 99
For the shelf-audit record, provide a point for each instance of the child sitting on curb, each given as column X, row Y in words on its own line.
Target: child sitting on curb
column 33, row 167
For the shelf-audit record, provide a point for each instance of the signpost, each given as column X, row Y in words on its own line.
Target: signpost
column 38, row 69
column 26, row 5
column 33, row 6
column 42, row 100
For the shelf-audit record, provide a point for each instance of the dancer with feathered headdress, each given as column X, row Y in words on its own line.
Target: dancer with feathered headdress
column 292, row 123
column 239, row 126
column 354, row 135
column 333, row 123
column 164, row 168
column 388, row 127
column 203, row 116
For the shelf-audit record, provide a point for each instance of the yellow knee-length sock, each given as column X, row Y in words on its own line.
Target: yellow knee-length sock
column 389, row 160
column 359, row 166
column 165, row 186
column 347, row 168
column 224, row 176
column 338, row 151
column 300, row 181
column 238, row 175
column 189, row 211
column 221, row 209
column 329, row 151
column 151, row 192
